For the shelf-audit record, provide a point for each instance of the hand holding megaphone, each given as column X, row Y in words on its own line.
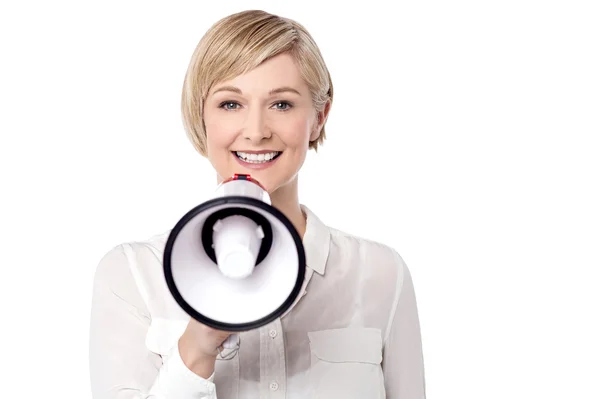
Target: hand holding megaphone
column 199, row 346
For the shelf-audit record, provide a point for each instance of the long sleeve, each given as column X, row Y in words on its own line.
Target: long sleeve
column 403, row 355
column 121, row 366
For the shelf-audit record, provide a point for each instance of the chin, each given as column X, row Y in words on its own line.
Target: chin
column 270, row 183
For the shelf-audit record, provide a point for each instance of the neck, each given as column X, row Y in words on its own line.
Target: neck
column 285, row 199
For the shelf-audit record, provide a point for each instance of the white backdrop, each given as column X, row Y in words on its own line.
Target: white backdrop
column 465, row 134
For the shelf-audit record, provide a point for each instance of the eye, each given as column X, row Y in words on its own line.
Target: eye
column 229, row 105
column 282, row 106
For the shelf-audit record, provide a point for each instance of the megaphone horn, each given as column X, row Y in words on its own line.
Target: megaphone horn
column 235, row 262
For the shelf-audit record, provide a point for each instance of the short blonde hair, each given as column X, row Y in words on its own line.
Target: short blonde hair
column 237, row 44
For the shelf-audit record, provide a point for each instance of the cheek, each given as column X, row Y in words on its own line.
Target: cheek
column 294, row 132
column 220, row 134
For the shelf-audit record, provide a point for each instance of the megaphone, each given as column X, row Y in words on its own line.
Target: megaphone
column 235, row 262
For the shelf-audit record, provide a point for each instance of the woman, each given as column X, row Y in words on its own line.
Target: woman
column 255, row 100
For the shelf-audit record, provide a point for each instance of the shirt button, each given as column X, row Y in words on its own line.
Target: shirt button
column 273, row 333
column 274, row 386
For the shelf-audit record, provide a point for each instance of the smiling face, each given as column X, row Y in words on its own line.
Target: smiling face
column 261, row 123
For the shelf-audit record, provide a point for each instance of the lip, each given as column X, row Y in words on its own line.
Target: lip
column 257, row 152
column 255, row 166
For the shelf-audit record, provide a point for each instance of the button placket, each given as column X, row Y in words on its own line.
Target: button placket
column 273, row 367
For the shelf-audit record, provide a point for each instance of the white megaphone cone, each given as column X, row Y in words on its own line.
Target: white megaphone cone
column 235, row 262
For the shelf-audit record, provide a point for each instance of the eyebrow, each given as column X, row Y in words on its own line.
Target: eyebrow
column 228, row 88
column 283, row 90
column 274, row 91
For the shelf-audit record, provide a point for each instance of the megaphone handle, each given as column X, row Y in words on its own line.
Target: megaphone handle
column 230, row 346
column 231, row 341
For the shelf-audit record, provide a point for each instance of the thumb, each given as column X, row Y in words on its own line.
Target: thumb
column 231, row 341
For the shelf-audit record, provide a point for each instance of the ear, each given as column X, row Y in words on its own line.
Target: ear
column 321, row 119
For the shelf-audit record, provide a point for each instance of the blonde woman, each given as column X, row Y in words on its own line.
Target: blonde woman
column 255, row 100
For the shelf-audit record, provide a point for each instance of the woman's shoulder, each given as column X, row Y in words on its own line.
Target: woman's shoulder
column 366, row 250
column 125, row 254
column 372, row 266
column 134, row 269
column 131, row 263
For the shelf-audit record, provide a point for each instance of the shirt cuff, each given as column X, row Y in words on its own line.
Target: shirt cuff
column 175, row 380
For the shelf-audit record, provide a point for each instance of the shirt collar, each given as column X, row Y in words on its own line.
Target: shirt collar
column 316, row 241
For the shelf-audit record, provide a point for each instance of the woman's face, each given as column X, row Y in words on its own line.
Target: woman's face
column 260, row 123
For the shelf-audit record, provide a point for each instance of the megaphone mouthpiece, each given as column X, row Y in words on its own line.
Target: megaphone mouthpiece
column 236, row 243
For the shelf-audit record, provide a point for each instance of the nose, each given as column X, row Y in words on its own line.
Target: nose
column 256, row 129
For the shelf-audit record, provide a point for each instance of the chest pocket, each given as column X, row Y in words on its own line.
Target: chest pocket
column 346, row 363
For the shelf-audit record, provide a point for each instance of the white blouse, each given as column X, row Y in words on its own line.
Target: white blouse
column 353, row 333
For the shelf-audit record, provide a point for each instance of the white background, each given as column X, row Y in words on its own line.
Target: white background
column 463, row 133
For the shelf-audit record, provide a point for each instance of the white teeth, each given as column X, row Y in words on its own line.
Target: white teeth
column 256, row 158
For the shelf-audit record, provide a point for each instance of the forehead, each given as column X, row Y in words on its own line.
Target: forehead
column 278, row 71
